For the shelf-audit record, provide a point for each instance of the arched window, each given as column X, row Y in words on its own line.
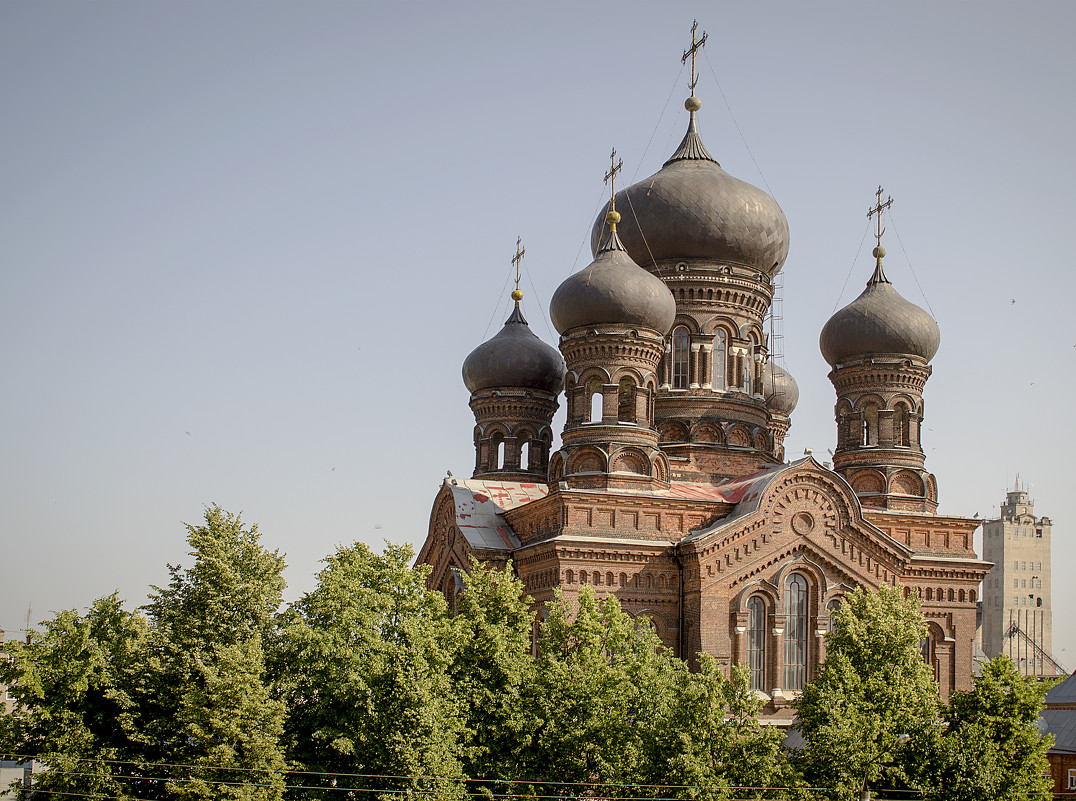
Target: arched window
column 832, row 608
column 900, row 426
column 625, row 401
column 756, row 641
column 721, row 358
column 795, row 632
column 681, row 353
column 870, row 424
column 752, row 365
column 496, row 444
column 525, row 456
column 594, row 395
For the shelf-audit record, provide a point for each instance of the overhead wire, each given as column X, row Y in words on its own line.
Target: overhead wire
column 912, row 269
column 852, row 266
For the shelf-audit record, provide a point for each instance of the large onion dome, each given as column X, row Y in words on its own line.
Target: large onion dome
column 693, row 209
column 780, row 389
column 879, row 321
column 514, row 357
column 613, row 289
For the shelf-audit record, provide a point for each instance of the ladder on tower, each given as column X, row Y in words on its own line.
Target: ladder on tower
column 1015, row 631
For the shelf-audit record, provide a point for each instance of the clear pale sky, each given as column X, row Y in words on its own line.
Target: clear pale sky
column 245, row 247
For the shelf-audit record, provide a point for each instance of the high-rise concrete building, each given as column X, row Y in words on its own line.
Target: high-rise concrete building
column 1017, row 614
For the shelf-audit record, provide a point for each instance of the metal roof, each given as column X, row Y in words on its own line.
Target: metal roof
column 1061, row 723
column 480, row 507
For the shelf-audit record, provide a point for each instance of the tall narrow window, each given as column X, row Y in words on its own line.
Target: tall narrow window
column 756, row 641
column 900, row 426
column 795, row 633
column 525, row 456
column 751, row 366
column 594, row 393
column 832, row 608
column 681, row 353
column 625, row 403
column 870, row 424
column 721, row 358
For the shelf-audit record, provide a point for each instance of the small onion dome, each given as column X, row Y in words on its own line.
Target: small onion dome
column 780, row 389
column 879, row 321
column 693, row 209
column 514, row 357
column 613, row 289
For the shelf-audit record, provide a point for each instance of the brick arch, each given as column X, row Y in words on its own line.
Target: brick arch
column 587, row 460
column 762, row 588
column 636, row 376
column 865, row 481
column 556, row 467
column 659, row 467
column 761, row 440
column 673, row 431
column 706, row 431
column 906, row 482
column 868, row 400
column 738, row 435
column 687, row 322
column 630, row 460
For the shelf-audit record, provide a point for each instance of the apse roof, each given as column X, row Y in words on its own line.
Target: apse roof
column 480, row 507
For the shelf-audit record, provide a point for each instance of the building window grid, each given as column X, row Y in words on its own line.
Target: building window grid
column 721, row 356
column 796, row 633
column 681, row 352
column 756, row 641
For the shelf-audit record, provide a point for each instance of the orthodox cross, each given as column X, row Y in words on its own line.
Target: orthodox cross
column 695, row 47
column 877, row 209
column 517, row 296
column 614, row 167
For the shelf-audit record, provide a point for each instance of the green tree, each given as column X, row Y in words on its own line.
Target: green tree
column 714, row 742
column 603, row 689
column 363, row 663
column 992, row 747
column 212, row 709
column 873, row 687
column 76, row 686
column 491, row 670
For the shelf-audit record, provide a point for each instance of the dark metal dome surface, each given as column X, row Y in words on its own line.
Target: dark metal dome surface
column 612, row 289
column 514, row 357
column 781, row 391
column 879, row 321
column 692, row 209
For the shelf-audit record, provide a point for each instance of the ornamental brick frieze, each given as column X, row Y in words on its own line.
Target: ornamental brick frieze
column 885, row 382
column 835, row 571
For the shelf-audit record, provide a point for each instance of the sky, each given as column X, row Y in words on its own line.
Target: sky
column 245, row 247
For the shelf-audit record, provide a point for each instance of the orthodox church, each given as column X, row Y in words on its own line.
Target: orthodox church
column 669, row 488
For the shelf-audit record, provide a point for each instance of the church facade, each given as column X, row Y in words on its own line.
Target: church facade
column 669, row 487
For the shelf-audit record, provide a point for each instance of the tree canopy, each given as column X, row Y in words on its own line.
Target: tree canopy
column 369, row 684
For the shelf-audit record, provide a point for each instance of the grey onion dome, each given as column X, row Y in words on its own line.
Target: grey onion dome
column 879, row 321
column 780, row 389
column 613, row 289
column 514, row 357
column 692, row 209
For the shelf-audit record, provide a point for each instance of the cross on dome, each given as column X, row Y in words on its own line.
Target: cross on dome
column 695, row 47
column 517, row 293
column 613, row 217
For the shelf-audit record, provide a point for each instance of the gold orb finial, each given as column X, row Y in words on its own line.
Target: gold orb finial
column 517, row 295
column 612, row 218
column 878, row 252
column 693, row 104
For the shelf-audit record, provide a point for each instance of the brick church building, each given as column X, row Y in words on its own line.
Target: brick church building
column 669, row 487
